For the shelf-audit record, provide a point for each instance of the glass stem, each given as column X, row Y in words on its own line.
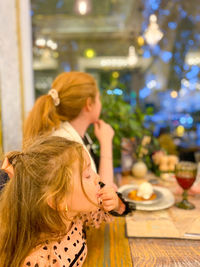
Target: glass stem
column 185, row 194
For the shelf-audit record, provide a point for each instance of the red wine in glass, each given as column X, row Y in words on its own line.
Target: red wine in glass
column 185, row 175
column 185, row 182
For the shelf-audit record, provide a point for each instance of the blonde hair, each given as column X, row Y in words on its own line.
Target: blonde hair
column 42, row 172
column 73, row 88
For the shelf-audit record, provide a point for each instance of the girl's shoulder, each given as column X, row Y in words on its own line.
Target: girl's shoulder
column 71, row 248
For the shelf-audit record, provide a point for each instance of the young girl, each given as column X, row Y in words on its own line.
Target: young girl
column 67, row 110
column 51, row 195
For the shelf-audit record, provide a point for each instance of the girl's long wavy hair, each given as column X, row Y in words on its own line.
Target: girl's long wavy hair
column 43, row 172
column 73, row 88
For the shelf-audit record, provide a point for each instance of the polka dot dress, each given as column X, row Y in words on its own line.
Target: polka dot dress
column 70, row 250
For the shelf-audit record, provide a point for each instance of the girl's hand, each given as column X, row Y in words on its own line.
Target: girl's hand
column 103, row 131
column 110, row 200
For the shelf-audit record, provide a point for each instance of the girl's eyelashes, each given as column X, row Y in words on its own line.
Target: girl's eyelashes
column 87, row 175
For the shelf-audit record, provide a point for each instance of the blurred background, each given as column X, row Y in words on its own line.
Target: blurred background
column 146, row 52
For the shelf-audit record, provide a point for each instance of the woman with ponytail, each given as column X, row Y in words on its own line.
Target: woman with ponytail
column 52, row 194
column 70, row 107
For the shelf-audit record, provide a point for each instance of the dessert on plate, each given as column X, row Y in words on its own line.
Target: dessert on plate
column 144, row 192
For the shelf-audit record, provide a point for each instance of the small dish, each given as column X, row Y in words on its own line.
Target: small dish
column 164, row 200
column 145, row 202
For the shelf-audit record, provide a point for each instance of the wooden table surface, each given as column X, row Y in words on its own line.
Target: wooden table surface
column 108, row 246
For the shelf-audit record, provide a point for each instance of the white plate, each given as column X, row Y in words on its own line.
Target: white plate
column 166, row 198
column 126, row 191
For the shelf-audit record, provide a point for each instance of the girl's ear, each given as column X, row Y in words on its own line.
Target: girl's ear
column 88, row 104
column 61, row 207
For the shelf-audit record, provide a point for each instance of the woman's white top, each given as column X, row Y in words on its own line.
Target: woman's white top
column 66, row 130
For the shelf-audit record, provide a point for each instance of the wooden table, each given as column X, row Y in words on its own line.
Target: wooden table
column 108, row 247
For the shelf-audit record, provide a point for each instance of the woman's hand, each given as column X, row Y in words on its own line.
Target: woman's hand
column 103, row 131
column 110, row 200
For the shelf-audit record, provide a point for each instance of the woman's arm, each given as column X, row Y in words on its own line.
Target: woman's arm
column 104, row 134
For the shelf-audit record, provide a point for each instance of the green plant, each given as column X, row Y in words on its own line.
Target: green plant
column 125, row 120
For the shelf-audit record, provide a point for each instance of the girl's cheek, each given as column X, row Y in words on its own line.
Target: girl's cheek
column 91, row 189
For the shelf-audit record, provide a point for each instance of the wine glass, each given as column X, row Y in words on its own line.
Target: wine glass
column 185, row 172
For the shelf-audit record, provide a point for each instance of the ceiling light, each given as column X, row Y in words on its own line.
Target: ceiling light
column 83, row 7
column 90, row 53
column 153, row 33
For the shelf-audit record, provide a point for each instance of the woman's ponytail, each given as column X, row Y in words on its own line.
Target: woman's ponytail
column 42, row 118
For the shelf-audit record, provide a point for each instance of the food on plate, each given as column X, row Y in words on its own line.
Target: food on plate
column 143, row 193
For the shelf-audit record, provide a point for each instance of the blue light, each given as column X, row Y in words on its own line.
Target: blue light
column 182, row 120
column 177, row 69
column 193, row 72
column 190, row 120
column 156, row 49
column 32, row 12
column 164, row 12
column 166, row 103
column 146, row 54
column 109, row 92
column 197, row 18
column 144, row 92
column 191, row 42
column 172, row 25
column 185, row 33
column 186, row 67
column 154, row 4
column 183, row 13
column 144, row 26
column 117, row 91
column 166, row 56
column 66, row 66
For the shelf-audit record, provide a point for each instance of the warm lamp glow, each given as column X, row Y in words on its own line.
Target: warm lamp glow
column 180, row 130
column 83, row 7
column 153, row 33
column 132, row 56
column 115, row 74
column 140, row 41
column 174, row 94
column 89, row 53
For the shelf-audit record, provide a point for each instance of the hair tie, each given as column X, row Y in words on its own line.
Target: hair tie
column 54, row 94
